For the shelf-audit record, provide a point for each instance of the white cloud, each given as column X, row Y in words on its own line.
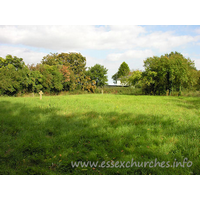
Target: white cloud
column 197, row 30
column 131, row 54
column 59, row 38
column 197, row 63
column 28, row 55
column 164, row 41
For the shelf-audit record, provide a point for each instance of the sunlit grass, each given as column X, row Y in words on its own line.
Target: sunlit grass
column 44, row 136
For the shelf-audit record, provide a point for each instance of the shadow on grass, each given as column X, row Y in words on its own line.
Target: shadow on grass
column 186, row 102
column 39, row 140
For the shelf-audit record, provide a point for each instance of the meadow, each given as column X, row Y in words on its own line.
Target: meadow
column 45, row 136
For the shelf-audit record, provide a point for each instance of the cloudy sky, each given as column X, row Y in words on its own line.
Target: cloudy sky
column 106, row 45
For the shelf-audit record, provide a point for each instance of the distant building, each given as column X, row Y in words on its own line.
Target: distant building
column 119, row 83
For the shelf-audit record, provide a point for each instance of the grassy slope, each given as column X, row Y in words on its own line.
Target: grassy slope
column 44, row 136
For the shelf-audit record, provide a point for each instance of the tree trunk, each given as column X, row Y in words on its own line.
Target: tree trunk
column 179, row 93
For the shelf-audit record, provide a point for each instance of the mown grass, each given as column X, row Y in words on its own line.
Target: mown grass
column 44, row 136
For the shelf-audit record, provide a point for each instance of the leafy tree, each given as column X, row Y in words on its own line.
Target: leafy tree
column 9, row 80
column 179, row 67
column 26, row 81
column 52, row 59
column 193, row 77
column 115, row 77
column 122, row 71
column 17, row 74
column 67, row 76
column 88, row 84
column 98, row 74
column 76, row 65
column 198, row 80
column 167, row 72
column 51, row 79
column 2, row 60
column 18, row 63
column 135, row 78
column 37, row 79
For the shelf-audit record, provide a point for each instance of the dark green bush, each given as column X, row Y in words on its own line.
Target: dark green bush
column 120, row 90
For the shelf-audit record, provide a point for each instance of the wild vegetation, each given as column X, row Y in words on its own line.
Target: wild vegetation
column 55, row 73
column 63, row 72
column 45, row 136
column 163, row 75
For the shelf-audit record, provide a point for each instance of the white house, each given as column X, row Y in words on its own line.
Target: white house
column 119, row 83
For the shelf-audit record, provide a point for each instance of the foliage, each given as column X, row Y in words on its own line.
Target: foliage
column 75, row 63
column 9, row 80
column 51, row 59
column 18, row 63
column 98, row 74
column 198, row 80
column 51, row 79
column 122, row 71
column 135, row 78
column 169, row 72
column 119, row 90
column 37, row 79
column 13, row 81
column 55, row 73
column 14, row 75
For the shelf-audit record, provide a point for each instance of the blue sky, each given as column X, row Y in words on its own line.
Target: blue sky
column 106, row 45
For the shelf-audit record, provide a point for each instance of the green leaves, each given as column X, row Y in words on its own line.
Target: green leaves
column 18, row 63
column 9, row 80
column 135, row 77
column 172, row 71
column 74, row 70
column 122, row 71
column 98, row 74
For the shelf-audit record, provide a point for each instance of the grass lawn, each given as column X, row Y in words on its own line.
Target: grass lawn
column 45, row 136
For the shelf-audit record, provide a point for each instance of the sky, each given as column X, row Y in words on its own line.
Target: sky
column 108, row 45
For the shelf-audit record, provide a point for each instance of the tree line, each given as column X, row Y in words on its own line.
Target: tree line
column 55, row 73
column 68, row 72
column 162, row 75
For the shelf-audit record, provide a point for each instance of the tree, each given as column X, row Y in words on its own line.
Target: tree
column 122, row 71
column 67, row 76
column 76, row 65
column 52, row 59
column 15, row 75
column 98, row 74
column 198, row 80
column 115, row 77
column 51, row 77
column 168, row 72
column 135, row 78
column 37, row 79
column 18, row 63
column 9, row 80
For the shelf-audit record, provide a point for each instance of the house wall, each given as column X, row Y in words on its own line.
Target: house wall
column 118, row 82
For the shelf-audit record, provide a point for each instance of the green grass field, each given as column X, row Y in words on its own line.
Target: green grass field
column 45, row 136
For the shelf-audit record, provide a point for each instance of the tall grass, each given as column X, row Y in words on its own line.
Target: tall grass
column 45, row 136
